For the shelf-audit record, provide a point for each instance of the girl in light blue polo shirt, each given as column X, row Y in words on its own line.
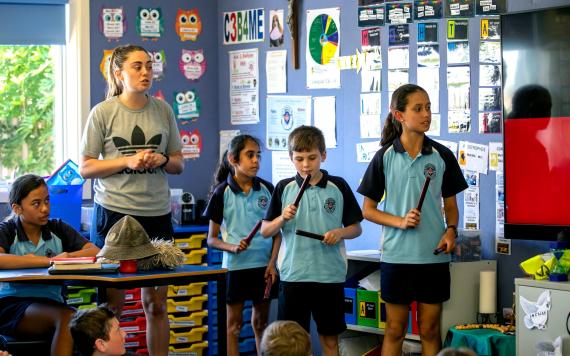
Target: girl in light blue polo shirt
column 238, row 201
column 411, row 269
column 28, row 240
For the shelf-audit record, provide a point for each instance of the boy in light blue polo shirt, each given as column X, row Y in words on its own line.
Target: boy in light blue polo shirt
column 313, row 272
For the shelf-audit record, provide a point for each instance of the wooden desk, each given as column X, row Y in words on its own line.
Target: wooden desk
column 182, row 275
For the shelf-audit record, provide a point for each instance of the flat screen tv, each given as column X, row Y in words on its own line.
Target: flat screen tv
column 536, row 107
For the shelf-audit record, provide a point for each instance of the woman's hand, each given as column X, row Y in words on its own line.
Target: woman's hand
column 137, row 161
column 153, row 160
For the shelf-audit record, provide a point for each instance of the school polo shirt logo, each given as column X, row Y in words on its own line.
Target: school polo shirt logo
column 330, row 205
column 429, row 171
column 262, row 202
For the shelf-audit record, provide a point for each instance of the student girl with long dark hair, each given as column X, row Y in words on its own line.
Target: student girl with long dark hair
column 410, row 269
column 237, row 203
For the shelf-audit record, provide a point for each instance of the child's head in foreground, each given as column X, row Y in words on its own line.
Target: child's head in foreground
column 285, row 338
column 96, row 331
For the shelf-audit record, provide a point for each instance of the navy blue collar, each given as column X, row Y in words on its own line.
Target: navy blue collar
column 22, row 237
column 321, row 184
column 234, row 186
column 427, row 147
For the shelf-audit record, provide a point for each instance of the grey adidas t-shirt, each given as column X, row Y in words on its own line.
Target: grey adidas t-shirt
column 112, row 131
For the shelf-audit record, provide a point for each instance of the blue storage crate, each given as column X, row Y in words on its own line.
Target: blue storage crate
column 214, row 257
column 213, row 288
column 350, row 306
column 247, row 313
column 213, row 348
column 246, row 331
column 65, row 202
column 247, row 345
column 212, row 302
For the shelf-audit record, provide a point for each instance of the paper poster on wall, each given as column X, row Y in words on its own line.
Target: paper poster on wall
column 370, row 123
column 428, row 78
column 459, row 8
column 495, row 156
column 500, row 205
column 244, row 91
column 191, row 143
column 281, row 166
column 489, row 75
column 490, row 52
column 397, row 78
column 473, row 156
column 158, row 58
column 490, row 29
column 490, row 99
column 105, row 62
column 457, row 30
column 458, row 88
column 192, row 63
column 365, row 151
column 398, row 57
column 371, row 15
column 188, row 24
column 428, row 55
column 458, row 52
column 324, row 108
column 150, row 23
column 471, row 208
column 490, row 122
column 398, row 35
column 113, row 23
column 225, row 138
column 398, row 13
column 458, row 121
column 276, row 71
column 490, row 7
column 451, row 145
column 502, row 246
column 323, row 48
column 284, row 114
column 243, row 26
column 428, row 9
column 435, row 126
column 187, row 105
column 276, row 28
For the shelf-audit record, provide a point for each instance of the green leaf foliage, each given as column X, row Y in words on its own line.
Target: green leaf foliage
column 26, row 109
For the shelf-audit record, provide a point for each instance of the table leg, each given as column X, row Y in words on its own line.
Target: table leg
column 222, row 314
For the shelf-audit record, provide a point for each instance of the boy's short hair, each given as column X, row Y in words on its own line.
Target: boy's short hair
column 88, row 325
column 305, row 138
column 285, row 337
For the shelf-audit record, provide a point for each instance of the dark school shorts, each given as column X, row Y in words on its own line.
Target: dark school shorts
column 104, row 219
column 248, row 284
column 324, row 301
column 424, row 283
column 12, row 310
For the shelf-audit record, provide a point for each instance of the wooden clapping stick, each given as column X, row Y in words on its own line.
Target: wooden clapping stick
column 302, row 190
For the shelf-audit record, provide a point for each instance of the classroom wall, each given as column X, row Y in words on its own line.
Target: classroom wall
column 342, row 160
column 197, row 174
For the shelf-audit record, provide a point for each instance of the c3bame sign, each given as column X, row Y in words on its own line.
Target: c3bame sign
column 244, row 26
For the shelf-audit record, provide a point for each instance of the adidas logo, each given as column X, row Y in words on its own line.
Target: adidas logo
column 138, row 142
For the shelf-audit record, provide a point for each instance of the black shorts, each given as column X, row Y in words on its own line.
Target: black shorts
column 424, row 283
column 324, row 301
column 12, row 310
column 104, row 219
column 247, row 284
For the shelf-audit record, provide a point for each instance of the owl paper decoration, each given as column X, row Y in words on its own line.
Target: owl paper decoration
column 105, row 62
column 191, row 143
column 150, row 24
column 187, row 105
column 188, row 24
column 158, row 64
column 112, row 23
column 192, row 64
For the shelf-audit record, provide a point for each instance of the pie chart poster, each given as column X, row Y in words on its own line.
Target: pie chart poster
column 323, row 48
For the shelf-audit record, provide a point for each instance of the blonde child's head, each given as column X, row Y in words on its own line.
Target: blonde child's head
column 285, row 338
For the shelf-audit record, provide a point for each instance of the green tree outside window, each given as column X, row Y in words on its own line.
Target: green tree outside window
column 26, row 110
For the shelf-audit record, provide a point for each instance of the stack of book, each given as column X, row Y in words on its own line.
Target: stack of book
column 83, row 265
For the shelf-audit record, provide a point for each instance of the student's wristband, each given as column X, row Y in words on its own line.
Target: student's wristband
column 453, row 227
column 165, row 162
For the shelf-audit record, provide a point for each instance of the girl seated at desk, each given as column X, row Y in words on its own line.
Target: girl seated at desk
column 29, row 239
